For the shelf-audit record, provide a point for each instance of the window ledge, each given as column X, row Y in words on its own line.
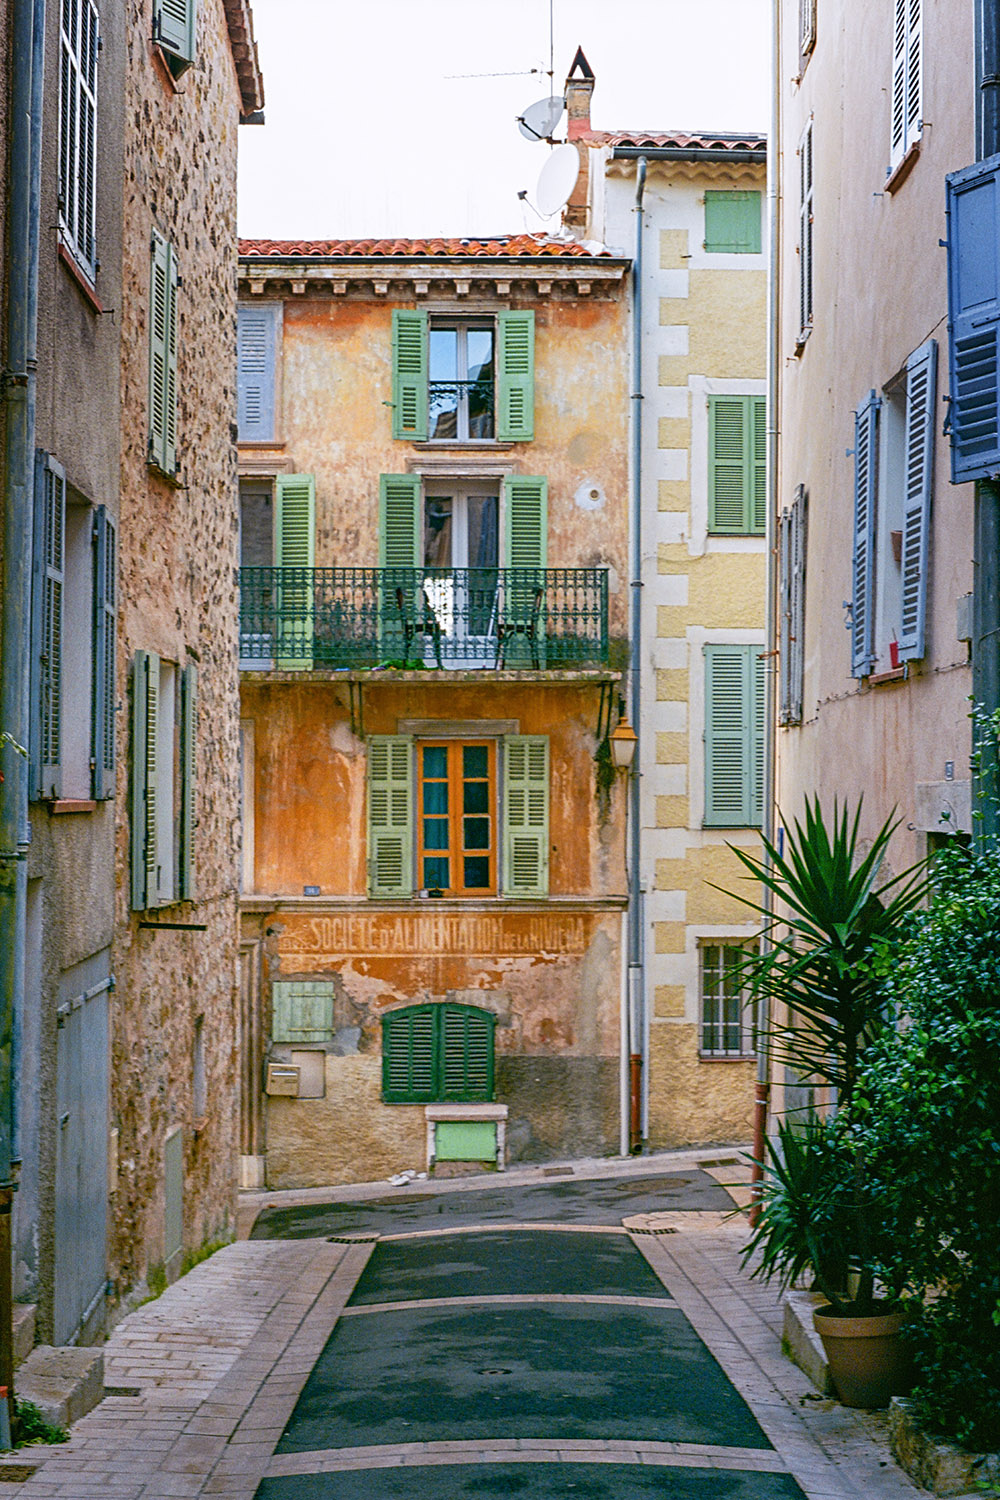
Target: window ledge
column 73, row 805
column 461, row 445
column 726, row 1057
column 79, row 278
column 482, row 1111
column 266, row 445
column 801, row 339
column 903, row 167
column 895, row 674
column 173, row 480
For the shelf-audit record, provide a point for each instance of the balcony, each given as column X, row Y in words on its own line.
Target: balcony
column 533, row 619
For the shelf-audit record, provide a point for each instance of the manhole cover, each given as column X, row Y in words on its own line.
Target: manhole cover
column 644, row 1185
column 497, row 1370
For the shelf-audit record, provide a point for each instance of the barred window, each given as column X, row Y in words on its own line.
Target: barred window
column 727, row 1012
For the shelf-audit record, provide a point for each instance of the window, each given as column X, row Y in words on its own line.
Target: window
column 973, row 204
column 732, row 222
column 79, row 43
column 806, row 233
column 437, row 821
column 432, row 1053
column 734, row 736
column 727, row 1018
column 302, row 1010
column 174, row 29
column 907, row 82
column 257, row 330
column 737, row 452
column 164, row 737
column 74, row 573
column 792, row 586
column 463, row 380
column 163, row 356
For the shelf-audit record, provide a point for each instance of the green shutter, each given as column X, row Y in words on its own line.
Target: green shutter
column 52, row 580
column 294, row 545
column 466, row 1052
column 390, row 815
column 525, row 554
column 302, row 1010
column 400, row 547
column 516, row 371
column 409, row 375
column 526, row 815
column 163, row 355
column 732, row 222
column 145, row 702
column 189, row 739
column 757, row 519
column 174, row 23
column 734, row 735
column 103, row 708
column 410, row 1055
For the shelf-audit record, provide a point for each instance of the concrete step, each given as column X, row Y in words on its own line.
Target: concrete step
column 63, row 1383
column 800, row 1340
column 24, row 1330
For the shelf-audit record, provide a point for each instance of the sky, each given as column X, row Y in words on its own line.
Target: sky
column 395, row 117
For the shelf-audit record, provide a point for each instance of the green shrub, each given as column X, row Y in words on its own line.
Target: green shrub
column 33, row 1428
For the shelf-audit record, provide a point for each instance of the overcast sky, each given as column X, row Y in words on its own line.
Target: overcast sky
column 372, row 131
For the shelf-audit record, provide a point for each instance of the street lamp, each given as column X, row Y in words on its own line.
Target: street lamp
column 623, row 742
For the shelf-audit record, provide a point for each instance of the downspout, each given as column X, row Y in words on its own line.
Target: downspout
column 18, row 397
column 763, row 1084
column 638, row 1074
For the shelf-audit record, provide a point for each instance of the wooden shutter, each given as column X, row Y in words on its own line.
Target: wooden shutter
column 294, row 546
column 973, row 217
column 400, row 549
column 526, row 815
column 103, row 728
column 302, row 1010
column 921, row 375
column 757, row 463
column 785, row 626
column 410, row 1042
column 78, row 130
column 466, row 1052
column 797, row 635
column 734, row 735
column 163, row 355
column 256, row 353
column 729, row 468
column 409, row 374
column 732, row 222
column 806, row 231
column 863, row 563
column 187, row 888
column 174, row 23
column 51, row 580
column 907, row 81
column 390, row 815
column 526, row 521
column 516, row 369
column 145, row 704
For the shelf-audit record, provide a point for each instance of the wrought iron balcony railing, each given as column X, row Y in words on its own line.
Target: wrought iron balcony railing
column 534, row 618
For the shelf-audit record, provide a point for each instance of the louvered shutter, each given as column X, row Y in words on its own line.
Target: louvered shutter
column 786, row 628
column 907, row 81
column 187, row 888
column 863, row 562
column 302, row 1010
column 163, row 355
column 400, row 547
column 51, row 579
column 732, row 222
column 757, row 508
column 105, row 583
column 466, row 1051
column 798, row 606
column 734, row 735
column 145, row 704
column 807, row 26
column 727, row 463
column 294, row 545
column 174, row 24
column 410, row 1055
column 390, row 815
column 756, row 717
column 525, row 555
column 256, row 352
column 409, row 375
column 78, row 130
column 806, row 231
column 973, row 216
column 526, row 815
column 516, row 362
column 921, row 378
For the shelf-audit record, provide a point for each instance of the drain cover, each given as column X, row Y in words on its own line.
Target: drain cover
column 498, row 1370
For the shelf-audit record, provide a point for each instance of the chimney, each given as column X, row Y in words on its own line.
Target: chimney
column 579, row 88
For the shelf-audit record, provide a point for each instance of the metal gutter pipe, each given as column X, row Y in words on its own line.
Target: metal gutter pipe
column 763, row 1085
column 687, row 153
column 637, row 1040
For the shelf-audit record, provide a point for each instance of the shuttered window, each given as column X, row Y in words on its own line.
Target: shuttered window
column 727, row 1018
column 302, row 1010
column 390, row 815
column 734, row 736
column 973, row 218
column 443, row 382
column 295, row 555
column 256, row 355
column 516, row 369
column 434, row 1053
column 186, row 885
column 863, row 558
column 163, row 355
column 805, row 246
column 792, row 563
column 921, row 375
column 105, row 589
column 526, row 815
column 409, row 374
column 163, row 812
column 906, row 120
column 78, row 47
column 732, row 222
column 49, row 585
column 145, row 740
column 174, row 28
column 737, row 451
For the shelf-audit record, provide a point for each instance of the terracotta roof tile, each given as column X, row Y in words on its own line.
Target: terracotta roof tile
column 521, row 245
column 699, row 140
column 239, row 20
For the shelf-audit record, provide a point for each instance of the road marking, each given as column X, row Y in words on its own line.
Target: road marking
column 508, row 1300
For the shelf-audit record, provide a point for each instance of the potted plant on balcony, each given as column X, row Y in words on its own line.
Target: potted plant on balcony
column 828, row 940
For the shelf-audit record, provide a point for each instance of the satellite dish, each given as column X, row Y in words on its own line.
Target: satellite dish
column 539, row 120
column 557, row 179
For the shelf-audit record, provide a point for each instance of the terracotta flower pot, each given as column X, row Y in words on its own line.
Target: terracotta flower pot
column 868, row 1360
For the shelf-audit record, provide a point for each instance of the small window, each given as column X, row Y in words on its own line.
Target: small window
column 436, row 1053
column 457, row 822
column 732, row 223
column 792, row 565
column 727, row 1013
column 174, row 27
column 906, row 123
column 79, row 43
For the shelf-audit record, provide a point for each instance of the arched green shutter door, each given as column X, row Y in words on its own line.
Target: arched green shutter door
column 409, row 1055
column 294, row 547
column 526, row 815
column 390, row 815
column 516, row 372
column 409, row 375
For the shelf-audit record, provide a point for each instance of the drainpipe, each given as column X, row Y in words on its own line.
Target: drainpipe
column 18, row 402
column 763, row 1084
column 637, row 1041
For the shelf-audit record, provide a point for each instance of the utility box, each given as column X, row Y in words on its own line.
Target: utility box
column 282, row 1081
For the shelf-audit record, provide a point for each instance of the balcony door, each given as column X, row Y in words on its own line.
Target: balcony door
column 461, row 546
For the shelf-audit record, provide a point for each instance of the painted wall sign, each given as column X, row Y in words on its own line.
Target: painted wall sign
column 509, row 934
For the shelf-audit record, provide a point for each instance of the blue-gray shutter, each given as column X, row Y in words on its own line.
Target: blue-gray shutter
column 174, row 27
column 50, row 538
column 921, row 382
column 103, row 733
column 863, row 559
column 145, row 714
column 973, row 219
column 256, row 355
column 187, row 887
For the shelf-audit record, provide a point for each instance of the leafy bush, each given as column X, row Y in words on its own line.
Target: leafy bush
column 32, row 1427
column 929, row 1115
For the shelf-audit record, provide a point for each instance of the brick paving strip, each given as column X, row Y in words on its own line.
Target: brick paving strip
column 508, row 1299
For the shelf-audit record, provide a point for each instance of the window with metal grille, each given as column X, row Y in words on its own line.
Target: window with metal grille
column 79, row 42
column 727, row 1012
column 437, row 1052
column 463, row 379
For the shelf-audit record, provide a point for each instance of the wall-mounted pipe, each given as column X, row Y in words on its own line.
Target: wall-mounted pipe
column 688, row 153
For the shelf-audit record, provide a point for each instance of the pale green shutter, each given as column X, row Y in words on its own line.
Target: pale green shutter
column 757, row 458
column 736, row 436
column 163, row 355
column 174, row 23
column 734, row 735
column 302, row 1010
column 409, row 375
column 145, row 702
column 757, row 685
column 189, row 740
column 732, row 222
column 410, row 1051
column 526, row 815
column 516, row 370
column 525, row 555
column 400, row 546
column 390, row 815
column 294, row 546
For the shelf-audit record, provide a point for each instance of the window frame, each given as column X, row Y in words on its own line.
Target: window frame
column 746, row 1022
column 456, row 781
column 78, row 118
column 462, row 327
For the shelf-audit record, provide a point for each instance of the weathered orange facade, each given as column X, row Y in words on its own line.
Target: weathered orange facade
column 545, row 966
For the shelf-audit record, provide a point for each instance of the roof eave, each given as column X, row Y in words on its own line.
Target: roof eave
column 239, row 21
column 755, row 156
